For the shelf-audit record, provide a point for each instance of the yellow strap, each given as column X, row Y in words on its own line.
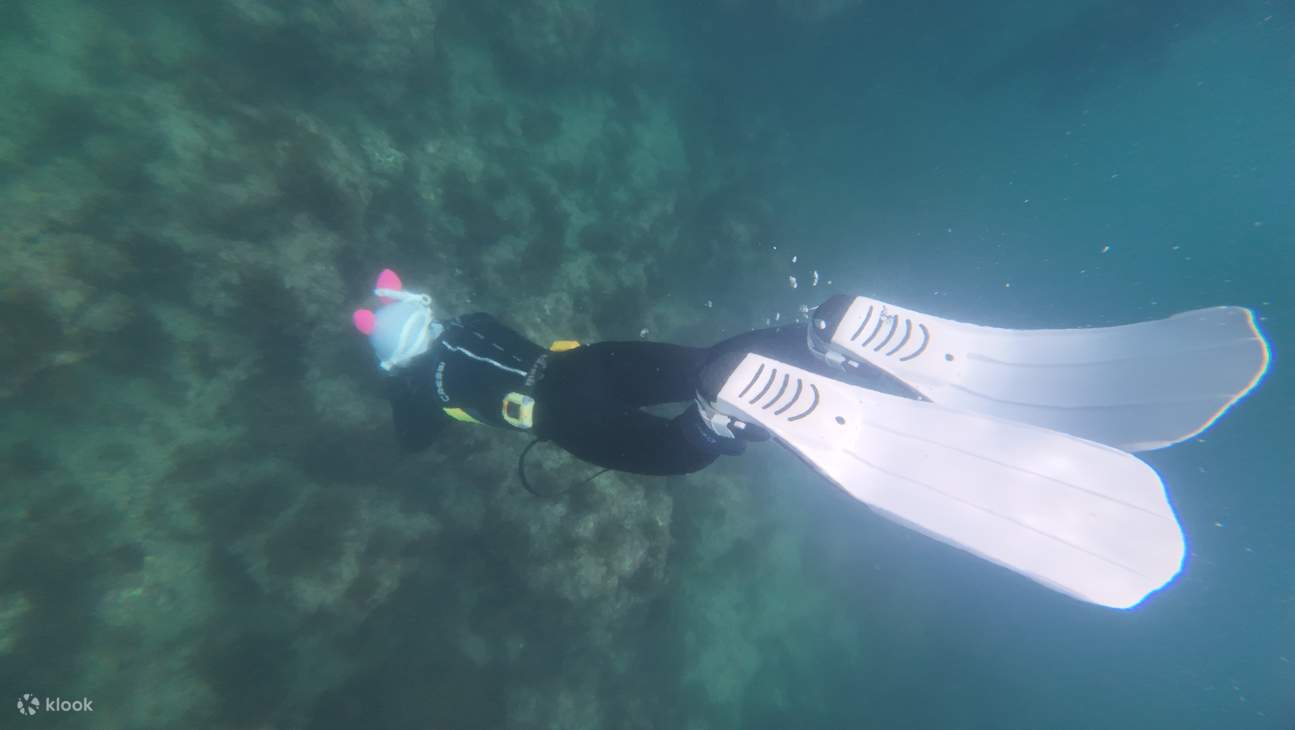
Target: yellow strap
column 459, row 414
column 564, row 345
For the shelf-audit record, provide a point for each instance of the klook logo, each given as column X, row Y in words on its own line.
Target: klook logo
column 30, row 704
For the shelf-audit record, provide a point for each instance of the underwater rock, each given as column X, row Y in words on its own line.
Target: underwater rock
column 338, row 551
column 542, row 38
column 198, row 196
column 380, row 37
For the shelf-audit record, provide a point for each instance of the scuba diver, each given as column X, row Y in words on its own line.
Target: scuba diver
column 1013, row 445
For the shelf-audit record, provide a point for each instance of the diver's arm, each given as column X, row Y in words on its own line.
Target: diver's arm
column 416, row 412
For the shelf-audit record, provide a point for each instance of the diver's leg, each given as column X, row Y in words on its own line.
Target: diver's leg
column 637, row 373
column 630, row 373
column 630, row 440
column 588, row 400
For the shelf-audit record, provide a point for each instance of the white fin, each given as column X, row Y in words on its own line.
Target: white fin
column 1079, row 517
column 1138, row 386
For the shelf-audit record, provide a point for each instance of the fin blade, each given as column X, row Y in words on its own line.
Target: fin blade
column 1139, row 386
column 1079, row 517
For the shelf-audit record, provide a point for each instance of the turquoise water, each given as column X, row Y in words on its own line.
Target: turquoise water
column 207, row 522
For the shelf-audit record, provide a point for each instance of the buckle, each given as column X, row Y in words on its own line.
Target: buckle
column 519, row 410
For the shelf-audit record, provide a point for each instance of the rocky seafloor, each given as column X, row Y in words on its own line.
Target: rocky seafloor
column 206, row 521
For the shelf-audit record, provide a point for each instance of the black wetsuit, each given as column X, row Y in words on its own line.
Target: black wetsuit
column 588, row 400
